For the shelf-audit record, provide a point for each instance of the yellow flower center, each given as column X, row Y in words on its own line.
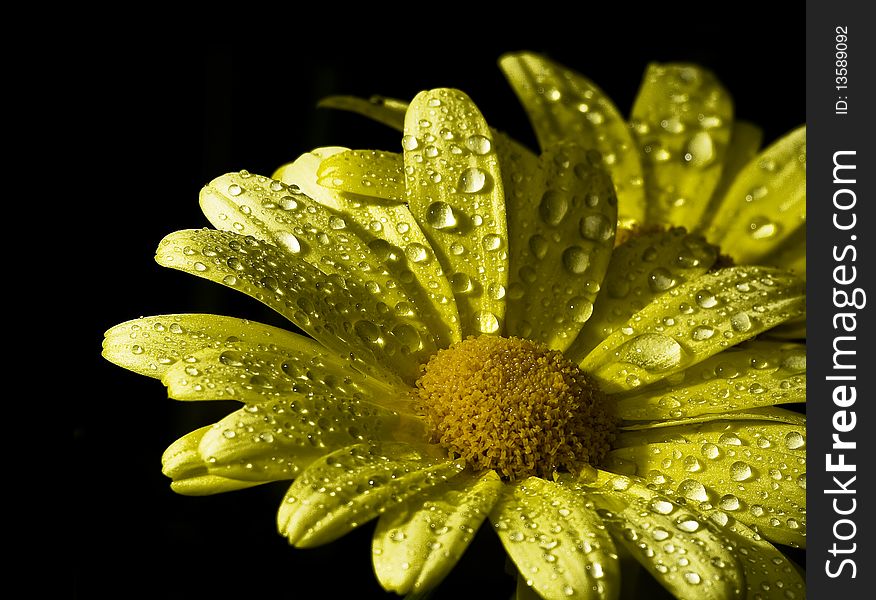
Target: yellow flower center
column 514, row 406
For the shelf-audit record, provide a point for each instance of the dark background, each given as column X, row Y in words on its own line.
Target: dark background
column 169, row 111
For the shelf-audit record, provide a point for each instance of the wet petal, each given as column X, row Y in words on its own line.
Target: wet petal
column 767, row 413
column 392, row 233
column 351, row 486
column 339, row 313
column 745, row 141
column 695, row 320
column 151, row 345
column 767, row 571
column 641, row 269
column 418, row 541
column 276, row 442
column 558, row 543
column 681, row 120
column 766, row 203
column 189, row 471
column 780, row 437
column 369, row 173
column 455, row 192
column 561, row 243
column 261, row 374
column 565, row 106
column 763, row 488
column 682, row 549
column 389, row 111
column 758, row 373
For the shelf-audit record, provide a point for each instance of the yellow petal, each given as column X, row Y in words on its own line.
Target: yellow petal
column 641, row 269
column 151, row 345
column 565, row 106
column 351, row 486
column 766, row 203
column 370, row 173
column 695, row 320
column 190, row 472
column 681, row 120
column 339, row 313
column 762, row 488
column 780, row 437
column 454, row 188
column 391, row 232
column 558, row 543
column 757, row 373
column 683, row 550
column 766, row 413
column 418, row 541
column 561, row 243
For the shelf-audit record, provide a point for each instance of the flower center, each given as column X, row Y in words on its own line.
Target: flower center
column 514, row 406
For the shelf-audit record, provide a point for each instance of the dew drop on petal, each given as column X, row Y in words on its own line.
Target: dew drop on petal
column 473, row 180
column 576, row 260
column 478, row 144
column 740, row 471
column 693, row 490
column 486, row 322
column 440, row 215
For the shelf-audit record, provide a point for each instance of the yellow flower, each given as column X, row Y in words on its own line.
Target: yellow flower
column 478, row 348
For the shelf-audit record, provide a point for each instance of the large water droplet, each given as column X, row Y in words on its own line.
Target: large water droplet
column 740, row 471
column 440, row 215
column 653, row 352
column 486, row 322
column 409, row 143
column 597, row 228
column 417, row 253
column 368, row 331
column 761, row 228
column 473, row 180
column 701, row 333
column 693, row 490
column 706, row 299
column 580, row 309
column 661, row 280
column 794, row 440
column 700, row 149
column 288, row 241
column 553, row 207
column 740, row 322
column 478, row 144
column 538, row 245
column 576, row 260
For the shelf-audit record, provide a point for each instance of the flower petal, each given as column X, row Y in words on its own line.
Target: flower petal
column 766, row 569
column 455, row 192
column 351, row 486
column 745, row 141
column 189, row 471
column 786, row 438
column 681, row 120
column 276, row 442
column 369, row 173
column 766, row 413
column 683, row 550
column 558, row 543
column 565, row 106
column 561, row 244
column 763, row 488
column 766, row 203
column 390, row 231
column 255, row 375
column 418, row 541
column 697, row 319
column 756, row 373
column 151, row 345
column 339, row 313
column 641, row 269
column 389, row 111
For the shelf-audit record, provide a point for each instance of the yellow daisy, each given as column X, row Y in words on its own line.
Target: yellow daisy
column 476, row 349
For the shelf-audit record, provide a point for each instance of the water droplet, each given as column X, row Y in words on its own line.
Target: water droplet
column 491, row 242
column 761, row 228
column 740, row 471
column 337, row 223
column 431, row 151
column 461, row 283
column 688, row 524
column 199, row 266
column 135, row 349
column 473, row 180
column 706, row 299
column 662, row 507
column 553, row 207
column 409, row 142
column 229, row 280
column 692, row 578
column 288, row 241
column 701, row 149
column 653, row 352
column 440, row 215
column 478, row 144
column 701, row 333
column 486, row 322
column 235, row 190
column 597, row 228
column 693, row 490
column 795, row 361
column 580, row 309
column 729, row 502
column 576, row 260
column 661, row 280
column 710, row 451
column 794, row 440
column 417, row 253
column 229, row 434
column 538, row 245
column 740, row 322
column 368, row 331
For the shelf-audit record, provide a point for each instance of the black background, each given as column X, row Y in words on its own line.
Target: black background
column 169, row 110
